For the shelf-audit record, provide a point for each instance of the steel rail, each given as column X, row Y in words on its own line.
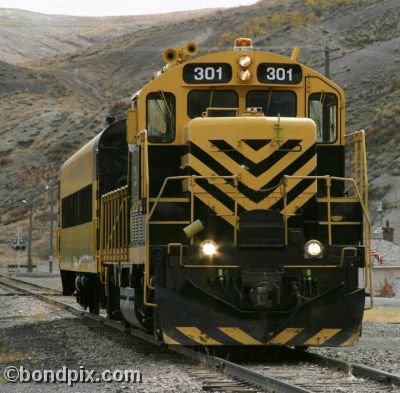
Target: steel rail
column 235, row 371
column 358, row 370
column 226, row 367
column 239, row 372
column 48, row 291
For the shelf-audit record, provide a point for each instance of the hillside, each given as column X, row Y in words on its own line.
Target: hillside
column 52, row 102
column 26, row 35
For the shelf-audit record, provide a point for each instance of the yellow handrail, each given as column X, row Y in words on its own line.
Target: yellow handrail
column 114, row 242
column 361, row 178
column 95, row 222
column 142, row 138
column 359, row 184
column 58, row 243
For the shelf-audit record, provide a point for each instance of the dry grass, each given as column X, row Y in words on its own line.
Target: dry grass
column 387, row 288
column 6, row 358
column 383, row 315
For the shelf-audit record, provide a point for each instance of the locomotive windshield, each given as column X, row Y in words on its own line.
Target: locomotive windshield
column 273, row 102
column 200, row 100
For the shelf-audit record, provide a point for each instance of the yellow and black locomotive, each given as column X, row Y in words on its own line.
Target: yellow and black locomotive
column 218, row 212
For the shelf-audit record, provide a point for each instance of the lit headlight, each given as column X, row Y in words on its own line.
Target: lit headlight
column 313, row 249
column 245, row 75
column 245, row 61
column 208, row 248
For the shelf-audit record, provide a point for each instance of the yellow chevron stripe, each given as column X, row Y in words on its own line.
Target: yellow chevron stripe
column 286, row 335
column 301, row 200
column 215, row 205
column 269, row 200
column 170, row 341
column 353, row 340
column 230, row 190
column 239, row 335
column 225, row 213
column 322, row 336
column 197, row 335
column 249, row 179
column 256, row 155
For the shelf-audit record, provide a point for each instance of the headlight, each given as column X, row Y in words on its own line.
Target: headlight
column 208, row 248
column 313, row 249
column 245, row 75
column 244, row 61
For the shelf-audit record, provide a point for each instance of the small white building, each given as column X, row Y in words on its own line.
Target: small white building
column 388, row 271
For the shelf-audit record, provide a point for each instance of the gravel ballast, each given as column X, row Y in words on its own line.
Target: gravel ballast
column 39, row 336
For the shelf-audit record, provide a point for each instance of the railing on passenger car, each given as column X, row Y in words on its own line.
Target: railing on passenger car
column 114, row 228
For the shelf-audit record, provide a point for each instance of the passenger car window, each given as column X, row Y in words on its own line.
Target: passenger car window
column 200, row 100
column 273, row 102
column 160, row 117
column 323, row 110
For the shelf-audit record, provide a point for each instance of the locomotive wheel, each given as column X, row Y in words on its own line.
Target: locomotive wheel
column 113, row 310
column 94, row 307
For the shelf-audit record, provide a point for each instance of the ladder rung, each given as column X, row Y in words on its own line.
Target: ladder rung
column 170, row 222
column 339, row 200
column 340, row 223
column 178, row 200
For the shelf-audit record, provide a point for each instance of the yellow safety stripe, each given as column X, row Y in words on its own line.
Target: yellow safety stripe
column 170, row 341
column 197, row 335
column 239, row 335
column 286, row 335
column 322, row 336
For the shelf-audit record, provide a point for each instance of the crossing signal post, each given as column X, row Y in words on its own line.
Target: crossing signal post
column 29, row 203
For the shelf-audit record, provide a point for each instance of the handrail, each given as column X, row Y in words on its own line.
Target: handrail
column 360, row 173
column 361, row 177
column 58, row 243
column 192, row 180
column 142, row 138
column 95, row 223
column 367, row 223
column 114, row 240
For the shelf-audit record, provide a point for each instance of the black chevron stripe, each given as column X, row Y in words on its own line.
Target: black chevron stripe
column 255, row 195
column 294, row 193
column 202, row 156
column 278, row 205
column 215, row 192
column 256, row 169
column 256, row 144
column 229, row 203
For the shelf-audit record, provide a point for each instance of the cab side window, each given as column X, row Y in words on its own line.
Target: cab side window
column 160, row 117
column 200, row 100
column 322, row 108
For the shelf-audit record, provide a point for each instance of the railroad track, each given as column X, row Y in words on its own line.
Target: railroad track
column 310, row 372
column 19, row 287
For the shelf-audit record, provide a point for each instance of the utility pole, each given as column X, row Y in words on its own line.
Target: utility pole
column 51, row 196
column 327, row 50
